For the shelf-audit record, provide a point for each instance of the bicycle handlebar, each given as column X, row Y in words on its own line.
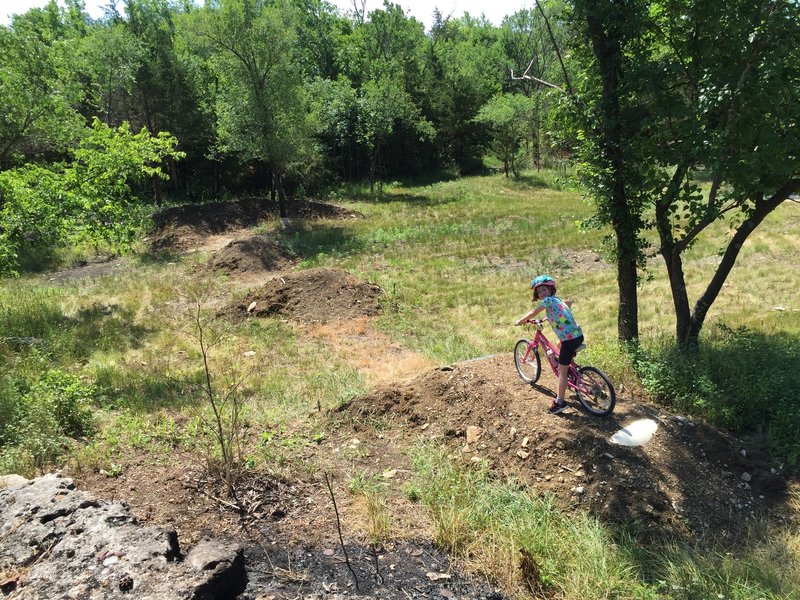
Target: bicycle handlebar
column 537, row 323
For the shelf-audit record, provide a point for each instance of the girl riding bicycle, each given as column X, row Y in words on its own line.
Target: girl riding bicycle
column 566, row 329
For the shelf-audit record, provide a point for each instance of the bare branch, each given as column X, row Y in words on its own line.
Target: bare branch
column 557, row 49
column 530, row 77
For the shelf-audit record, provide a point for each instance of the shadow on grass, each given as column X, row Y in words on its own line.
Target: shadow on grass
column 310, row 240
column 36, row 321
column 746, row 381
column 147, row 391
column 99, row 327
column 530, row 181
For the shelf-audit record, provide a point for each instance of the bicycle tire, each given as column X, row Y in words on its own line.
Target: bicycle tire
column 598, row 397
column 529, row 370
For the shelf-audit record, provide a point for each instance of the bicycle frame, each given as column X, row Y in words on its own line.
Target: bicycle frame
column 551, row 352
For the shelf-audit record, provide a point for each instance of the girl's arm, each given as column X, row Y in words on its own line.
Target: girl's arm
column 530, row 315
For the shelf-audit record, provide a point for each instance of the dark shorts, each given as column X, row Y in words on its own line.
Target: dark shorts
column 567, row 352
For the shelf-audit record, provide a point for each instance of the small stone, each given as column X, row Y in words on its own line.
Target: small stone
column 579, row 489
column 252, row 307
column 746, row 477
column 525, row 442
column 522, row 454
column 249, row 353
column 473, row 433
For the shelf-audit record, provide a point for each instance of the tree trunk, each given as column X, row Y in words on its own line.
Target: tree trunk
column 607, row 50
column 283, row 205
column 689, row 336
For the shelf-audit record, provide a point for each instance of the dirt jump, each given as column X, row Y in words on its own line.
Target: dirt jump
column 311, row 296
column 690, row 477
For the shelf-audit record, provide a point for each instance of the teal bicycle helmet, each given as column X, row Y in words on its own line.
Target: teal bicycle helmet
column 543, row 280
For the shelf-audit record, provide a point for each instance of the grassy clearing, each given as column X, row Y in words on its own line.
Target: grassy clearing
column 113, row 360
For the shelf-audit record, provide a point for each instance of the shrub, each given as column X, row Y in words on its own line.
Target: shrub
column 38, row 416
column 744, row 380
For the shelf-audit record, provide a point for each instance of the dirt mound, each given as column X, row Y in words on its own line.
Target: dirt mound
column 251, row 255
column 690, row 477
column 312, row 296
column 184, row 227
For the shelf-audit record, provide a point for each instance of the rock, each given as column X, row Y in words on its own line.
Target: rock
column 473, row 433
column 746, row 477
column 62, row 540
column 10, row 482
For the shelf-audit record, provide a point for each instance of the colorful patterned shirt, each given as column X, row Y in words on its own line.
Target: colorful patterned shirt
column 560, row 317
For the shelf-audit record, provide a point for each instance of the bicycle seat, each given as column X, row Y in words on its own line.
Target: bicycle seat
column 579, row 348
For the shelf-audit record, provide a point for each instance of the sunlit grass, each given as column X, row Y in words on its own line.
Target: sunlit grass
column 503, row 530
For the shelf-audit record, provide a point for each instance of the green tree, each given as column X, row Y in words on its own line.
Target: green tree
column 734, row 118
column 532, row 52
column 111, row 57
column 464, row 69
column 39, row 90
column 507, row 117
column 88, row 199
column 335, row 113
column 381, row 106
column 672, row 90
column 259, row 89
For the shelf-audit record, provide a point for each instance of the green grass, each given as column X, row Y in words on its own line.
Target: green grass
column 496, row 528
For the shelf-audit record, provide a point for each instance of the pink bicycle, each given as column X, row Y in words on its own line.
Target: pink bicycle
column 591, row 385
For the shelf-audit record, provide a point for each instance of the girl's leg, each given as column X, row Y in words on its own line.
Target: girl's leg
column 563, row 373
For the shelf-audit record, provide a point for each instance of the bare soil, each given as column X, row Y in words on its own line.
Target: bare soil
column 691, row 479
column 251, row 255
column 311, row 296
column 186, row 227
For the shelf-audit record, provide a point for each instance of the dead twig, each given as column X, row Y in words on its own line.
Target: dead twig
column 339, row 529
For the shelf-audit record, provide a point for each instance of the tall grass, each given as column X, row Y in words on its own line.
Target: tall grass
column 505, row 531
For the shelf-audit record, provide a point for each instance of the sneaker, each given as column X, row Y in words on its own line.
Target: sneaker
column 558, row 406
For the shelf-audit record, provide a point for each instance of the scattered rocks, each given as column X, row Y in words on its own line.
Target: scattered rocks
column 687, row 464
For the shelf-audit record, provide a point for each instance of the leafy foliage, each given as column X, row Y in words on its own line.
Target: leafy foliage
column 740, row 379
column 38, row 416
column 89, row 199
column 508, row 117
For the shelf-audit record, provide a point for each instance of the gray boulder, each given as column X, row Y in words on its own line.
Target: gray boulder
column 59, row 542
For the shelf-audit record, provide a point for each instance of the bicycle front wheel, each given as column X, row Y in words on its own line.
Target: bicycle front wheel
column 528, row 363
column 595, row 392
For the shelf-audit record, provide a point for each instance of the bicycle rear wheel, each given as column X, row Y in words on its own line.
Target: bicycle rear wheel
column 595, row 392
column 529, row 365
